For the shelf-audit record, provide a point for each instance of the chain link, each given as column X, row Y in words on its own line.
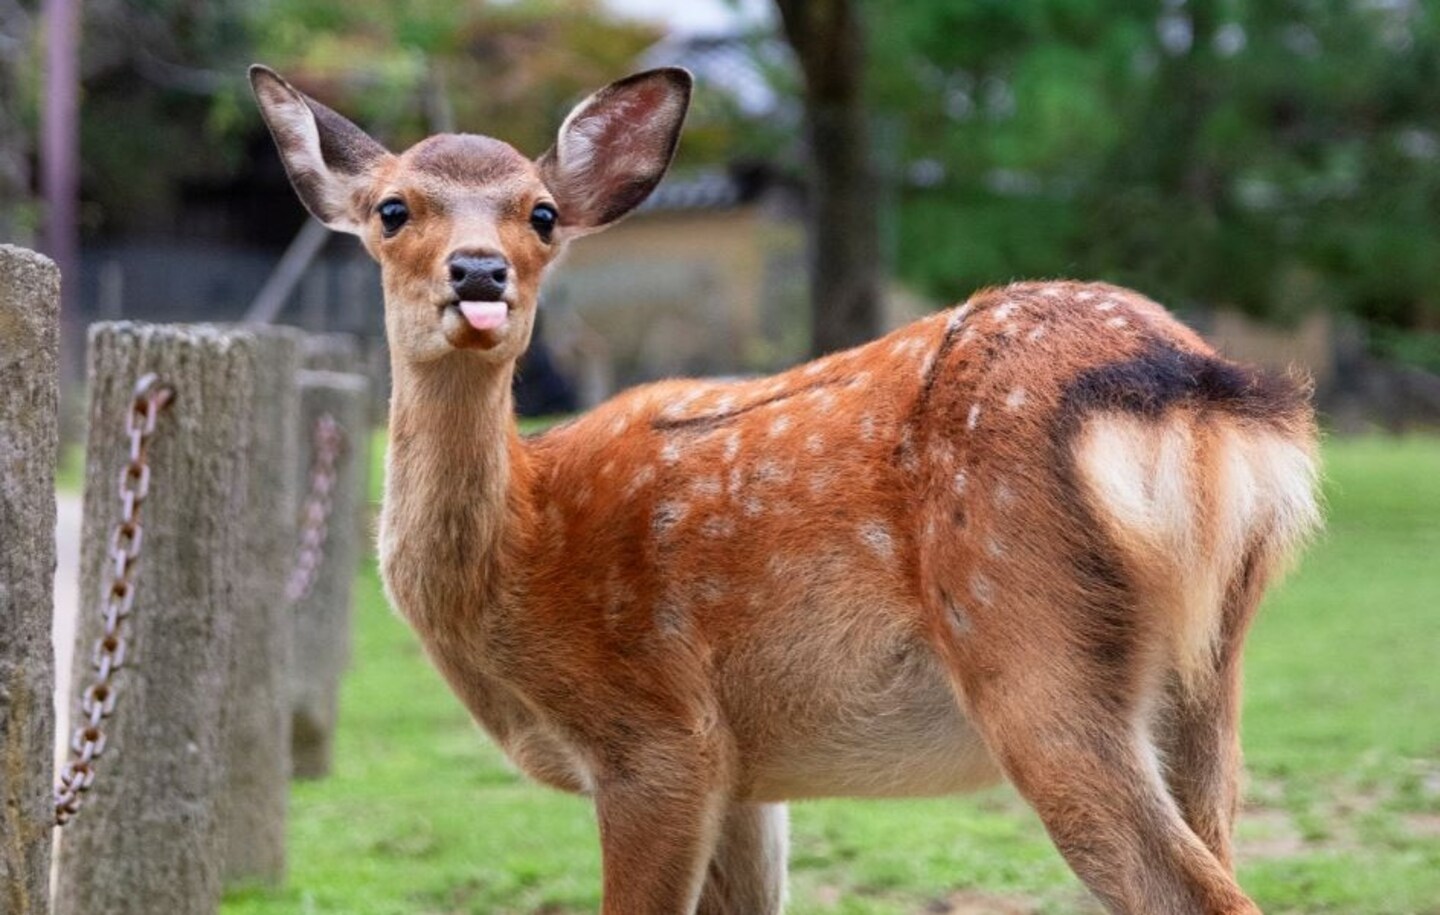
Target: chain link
column 327, row 444
column 98, row 701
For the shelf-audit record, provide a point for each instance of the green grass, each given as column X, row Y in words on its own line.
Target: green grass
column 1342, row 734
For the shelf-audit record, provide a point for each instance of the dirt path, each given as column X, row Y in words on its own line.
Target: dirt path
column 67, row 602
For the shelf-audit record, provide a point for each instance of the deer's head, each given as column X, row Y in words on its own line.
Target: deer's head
column 464, row 225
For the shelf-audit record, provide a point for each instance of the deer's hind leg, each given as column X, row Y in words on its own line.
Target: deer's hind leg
column 1198, row 728
column 1062, row 688
column 747, row 870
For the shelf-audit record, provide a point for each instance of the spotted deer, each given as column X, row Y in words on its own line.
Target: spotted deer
column 1022, row 538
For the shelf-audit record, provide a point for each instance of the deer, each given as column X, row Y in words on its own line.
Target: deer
column 1021, row 539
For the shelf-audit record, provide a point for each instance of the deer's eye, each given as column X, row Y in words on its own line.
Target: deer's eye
column 543, row 219
column 393, row 215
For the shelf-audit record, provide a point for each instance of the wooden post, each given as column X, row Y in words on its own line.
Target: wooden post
column 147, row 838
column 257, row 708
column 332, row 353
column 29, row 436
column 342, row 353
column 322, row 617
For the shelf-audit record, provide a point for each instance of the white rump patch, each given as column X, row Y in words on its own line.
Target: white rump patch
column 1186, row 514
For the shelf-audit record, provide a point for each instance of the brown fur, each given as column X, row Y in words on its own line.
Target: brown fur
column 1021, row 537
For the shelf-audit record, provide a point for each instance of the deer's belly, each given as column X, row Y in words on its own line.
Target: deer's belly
column 887, row 725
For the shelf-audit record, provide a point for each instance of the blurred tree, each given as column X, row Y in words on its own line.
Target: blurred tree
column 845, row 263
column 18, row 66
column 1276, row 155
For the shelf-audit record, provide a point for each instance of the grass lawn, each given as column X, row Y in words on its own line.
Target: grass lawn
column 1342, row 733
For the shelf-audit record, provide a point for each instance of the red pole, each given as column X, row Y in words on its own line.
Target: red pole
column 60, row 168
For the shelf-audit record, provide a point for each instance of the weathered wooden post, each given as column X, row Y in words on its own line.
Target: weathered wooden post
column 257, row 709
column 343, row 353
column 332, row 353
column 323, row 592
column 29, row 433
column 147, row 839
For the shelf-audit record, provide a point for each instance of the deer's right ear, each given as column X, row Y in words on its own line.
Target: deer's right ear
column 330, row 161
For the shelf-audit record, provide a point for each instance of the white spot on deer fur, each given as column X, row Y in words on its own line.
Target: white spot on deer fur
column 981, row 589
column 670, row 617
column 859, row 381
column 957, row 317
column 706, row 486
column 926, row 364
column 1004, row 495
column 666, row 516
column 967, row 337
column 1004, row 312
column 724, row 404
column 677, row 408
column 778, row 427
column 820, row 482
column 906, row 345
column 867, row 428
column 824, row 400
column 1052, row 292
column 1015, row 399
column 583, row 495
column 1084, row 295
column 1036, row 333
column 955, row 616
column 815, row 368
column 814, row 444
column 607, row 469
column 1107, row 305
column 642, row 478
column 768, row 471
column 752, row 507
column 717, row 527
column 617, row 427
column 961, row 478
column 974, row 417
column 1117, row 322
column 737, row 477
column 878, row 538
column 732, row 446
column 994, row 547
column 670, row 454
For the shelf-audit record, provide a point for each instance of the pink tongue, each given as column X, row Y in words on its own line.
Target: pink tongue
column 484, row 315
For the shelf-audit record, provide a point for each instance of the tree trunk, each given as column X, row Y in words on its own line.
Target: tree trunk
column 845, row 261
column 29, row 429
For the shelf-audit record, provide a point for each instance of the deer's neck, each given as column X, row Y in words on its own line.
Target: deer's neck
column 455, row 494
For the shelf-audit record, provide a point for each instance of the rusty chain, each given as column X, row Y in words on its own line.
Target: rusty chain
column 327, row 443
column 98, row 701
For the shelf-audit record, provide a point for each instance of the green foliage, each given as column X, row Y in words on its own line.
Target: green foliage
column 1261, row 141
column 423, row 816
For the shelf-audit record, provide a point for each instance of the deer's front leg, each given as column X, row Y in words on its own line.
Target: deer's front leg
column 659, row 820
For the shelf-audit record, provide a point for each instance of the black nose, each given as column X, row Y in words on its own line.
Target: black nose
column 478, row 277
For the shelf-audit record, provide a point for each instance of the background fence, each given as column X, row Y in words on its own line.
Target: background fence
column 223, row 524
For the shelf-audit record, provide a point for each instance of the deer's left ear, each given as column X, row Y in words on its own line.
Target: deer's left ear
column 330, row 161
column 615, row 147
